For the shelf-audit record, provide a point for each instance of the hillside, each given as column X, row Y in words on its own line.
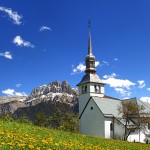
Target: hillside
column 19, row 136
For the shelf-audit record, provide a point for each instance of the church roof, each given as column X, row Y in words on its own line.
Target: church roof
column 145, row 105
column 109, row 106
column 91, row 77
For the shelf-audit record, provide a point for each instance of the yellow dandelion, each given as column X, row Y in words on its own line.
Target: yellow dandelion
column 31, row 146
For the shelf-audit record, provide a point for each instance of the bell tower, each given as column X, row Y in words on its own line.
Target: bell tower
column 91, row 84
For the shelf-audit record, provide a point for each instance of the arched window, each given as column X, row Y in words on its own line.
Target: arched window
column 97, row 88
column 111, row 127
column 84, row 89
column 148, row 125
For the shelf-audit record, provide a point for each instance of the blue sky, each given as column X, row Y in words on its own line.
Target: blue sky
column 43, row 41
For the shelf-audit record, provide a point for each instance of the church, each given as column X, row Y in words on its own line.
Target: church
column 98, row 113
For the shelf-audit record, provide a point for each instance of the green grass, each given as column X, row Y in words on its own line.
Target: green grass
column 19, row 136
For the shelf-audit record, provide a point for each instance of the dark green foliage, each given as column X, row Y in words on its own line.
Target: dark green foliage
column 24, row 119
column 67, row 121
column 62, row 120
column 70, row 123
column 7, row 118
column 41, row 119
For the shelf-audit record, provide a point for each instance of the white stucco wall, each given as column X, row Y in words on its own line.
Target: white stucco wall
column 137, row 137
column 92, row 121
column 83, row 99
column 119, row 130
column 108, row 134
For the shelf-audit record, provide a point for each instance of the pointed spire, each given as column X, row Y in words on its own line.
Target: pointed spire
column 90, row 58
column 89, row 39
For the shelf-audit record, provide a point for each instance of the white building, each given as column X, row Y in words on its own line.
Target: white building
column 98, row 113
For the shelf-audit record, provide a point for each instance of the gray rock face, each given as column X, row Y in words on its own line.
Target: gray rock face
column 9, row 104
column 55, row 91
column 53, row 87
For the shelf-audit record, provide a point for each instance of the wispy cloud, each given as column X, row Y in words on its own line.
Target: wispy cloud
column 148, row 89
column 20, row 42
column 141, row 84
column 115, row 59
column 6, row 55
column 123, row 92
column 81, row 68
column 104, row 63
column 97, row 63
column 14, row 16
column 122, row 86
column 18, row 85
column 12, row 92
column 145, row 99
column 42, row 28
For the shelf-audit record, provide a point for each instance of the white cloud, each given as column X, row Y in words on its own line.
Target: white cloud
column 141, row 84
column 16, row 18
column 148, row 89
column 8, row 92
column 116, row 59
column 97, row 63
column 104, row 63
column 20, row 42
column 42, row 28
column 114, row 82
column 123, row 92
column 18, row 85
column 113, row 75
column 120, row 85
column 6, row 55
column 20, row 94
column 81, row 67
column 12, row 92
column 145, row 99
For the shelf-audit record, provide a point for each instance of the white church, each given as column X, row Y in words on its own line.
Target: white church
column 98, row 113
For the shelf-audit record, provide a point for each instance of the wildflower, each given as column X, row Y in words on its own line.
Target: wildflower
column 31, row 146
column 44, row 142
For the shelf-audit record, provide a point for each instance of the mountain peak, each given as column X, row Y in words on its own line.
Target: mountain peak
column 53, row 87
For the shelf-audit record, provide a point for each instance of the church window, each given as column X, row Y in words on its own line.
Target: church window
column 91, row 108
column 111, row 127
column 92, row 64
column 148, row 125
column 97, row 88
column 84, row 89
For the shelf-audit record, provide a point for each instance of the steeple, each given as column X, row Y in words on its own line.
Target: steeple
column 89, row 40
column 90, row 77
column 90, row 58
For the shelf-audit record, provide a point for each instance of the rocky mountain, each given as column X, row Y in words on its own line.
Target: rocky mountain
column 54, row 91
column 9, row 104
column 59, row 94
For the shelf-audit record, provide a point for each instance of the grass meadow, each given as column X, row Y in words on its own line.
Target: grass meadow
column 19, row 136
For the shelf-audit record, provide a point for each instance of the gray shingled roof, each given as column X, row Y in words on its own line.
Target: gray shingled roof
column 108, row 106
column 91, row 77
